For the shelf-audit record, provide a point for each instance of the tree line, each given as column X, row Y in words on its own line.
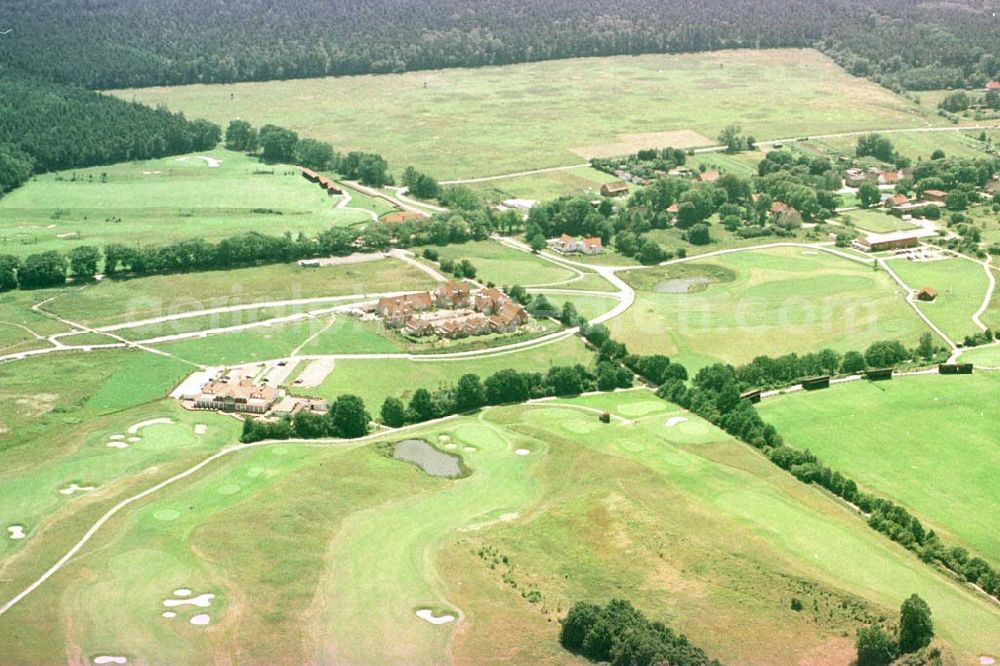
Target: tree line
column 47, row 127
column 132, row 43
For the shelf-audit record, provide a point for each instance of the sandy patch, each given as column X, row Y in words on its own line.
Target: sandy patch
column 16, row 532
column 201, row 601
column 522, row 452
column 427, row 615
column 675, row 420
column 632, row 143
column 315, row 373
column 469, row 449
column 200, row 429
column 68, row 234
column 169, row 614
column 74, row 488
column 444, row 438
column 116, row 437
column 182, row 592
column 108, row 659
column 201, row 619
column 986, row 661
column 134, row 439
column 451, row 445
column 37, row 404
column 210, row 161
column 142, row 424
column 118, row 445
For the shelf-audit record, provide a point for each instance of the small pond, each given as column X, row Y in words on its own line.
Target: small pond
column 426, row 457
column 682, row 285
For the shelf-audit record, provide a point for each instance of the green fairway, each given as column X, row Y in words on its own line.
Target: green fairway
column 463, row 123
column 116, row 302
column 376, row 380
column 929, row 442
column 764, row 302
column 505, row 266
column 876, row 221
column 960, row 284
column 166, row 200
column 316, row 553
column 988, row 356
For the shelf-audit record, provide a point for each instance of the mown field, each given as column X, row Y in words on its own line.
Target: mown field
column 876, row 221
column 464, row 123
column 960, row 284
column 928, row 442
column 166, row 200
column 505, row 266
column 917, row 145
column 581, row 181
column 763, row 302
column 319, row 553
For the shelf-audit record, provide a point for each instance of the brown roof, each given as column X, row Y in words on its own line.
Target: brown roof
column 936, row 193
column 779, row 207
column 310, row 174
column 993, row 85
column 453, row 287
column 420, row 300
column 927, row 291
column 512, row 311
column 890, row 177
column 898, row 199
column 673, row 208
column 709, row 177
column 402, row 216
column 592, row 242
column 616, row 186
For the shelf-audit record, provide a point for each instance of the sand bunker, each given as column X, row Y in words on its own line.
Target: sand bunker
column 444, row 438
column 74, row 488
column 134, row 439
column 201, row 619
column 182, row 592
column 427, row 615
column 107, row 659
column 169, row 614
column 201, row 601
column 674, row 420
column 451, row 445
column 16, row 532
column 200, row 429
column 469, row 449
column 142, row 424
column 987, row 661
column 522, row 452
column 118, row 445
column 116, row 437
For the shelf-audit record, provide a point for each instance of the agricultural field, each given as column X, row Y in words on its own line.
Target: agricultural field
column 740, row 305
column 698, row 528
column 961, row 286
column 928, row 442
column 579, row 181
column 210, row 195
column 917, row 145
column 557, row 113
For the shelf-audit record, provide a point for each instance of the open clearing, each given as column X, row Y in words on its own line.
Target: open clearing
column 688, row 524
column 877, row 221
column 505, row 266
column 928, row 442
column 165, row 200
column 464, row 123
column 770, row 302
column 960, row 284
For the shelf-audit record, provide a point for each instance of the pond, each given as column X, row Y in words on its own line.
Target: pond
column 426, row 457
column 682, row 285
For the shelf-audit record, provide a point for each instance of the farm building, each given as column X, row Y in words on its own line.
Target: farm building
column 892, row 241
column 927, row 294
column 935, row 195
column 310, row 175
column 615, row 189
column 896, row 200
column 402, row 216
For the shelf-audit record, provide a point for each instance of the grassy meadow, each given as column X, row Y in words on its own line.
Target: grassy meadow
column 505, row 266
column 928, row 442
column 464, row 123
column 346, row 544
column 580, row 181
column 876, row 221
column 763, row 302
column 960, row 285
column 165, row 200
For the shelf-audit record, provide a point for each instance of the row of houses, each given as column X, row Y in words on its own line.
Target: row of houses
column 452, row 311
column 331, row 187
column 856, row 177
column 567, row 244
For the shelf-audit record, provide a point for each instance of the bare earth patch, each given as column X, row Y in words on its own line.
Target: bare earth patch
column 632, row 143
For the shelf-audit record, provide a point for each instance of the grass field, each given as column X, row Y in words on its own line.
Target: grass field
column 115, row 302
column 876, row 221
column 918, row 145
column 583, row 181
column 376, row 380
column 463, row 123
column 165, row 200
column 988, row 356
column 505, row 266
column 928, row 442
column 960, row 285
column 764, row 302
column 347, row 543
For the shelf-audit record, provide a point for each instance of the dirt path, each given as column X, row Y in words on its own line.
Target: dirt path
column 406, row 256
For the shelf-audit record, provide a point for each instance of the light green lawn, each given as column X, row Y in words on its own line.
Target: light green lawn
column 920, row 145
column 583, row 181
column 960, row 285
column 461, row 123
column 929, row 442
column 589, row 307
column 376, row 380
column 781, row 300
column 876, row 221
column 317, row 553
column 988, row 356
column 505, row 266
column 165, row 200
